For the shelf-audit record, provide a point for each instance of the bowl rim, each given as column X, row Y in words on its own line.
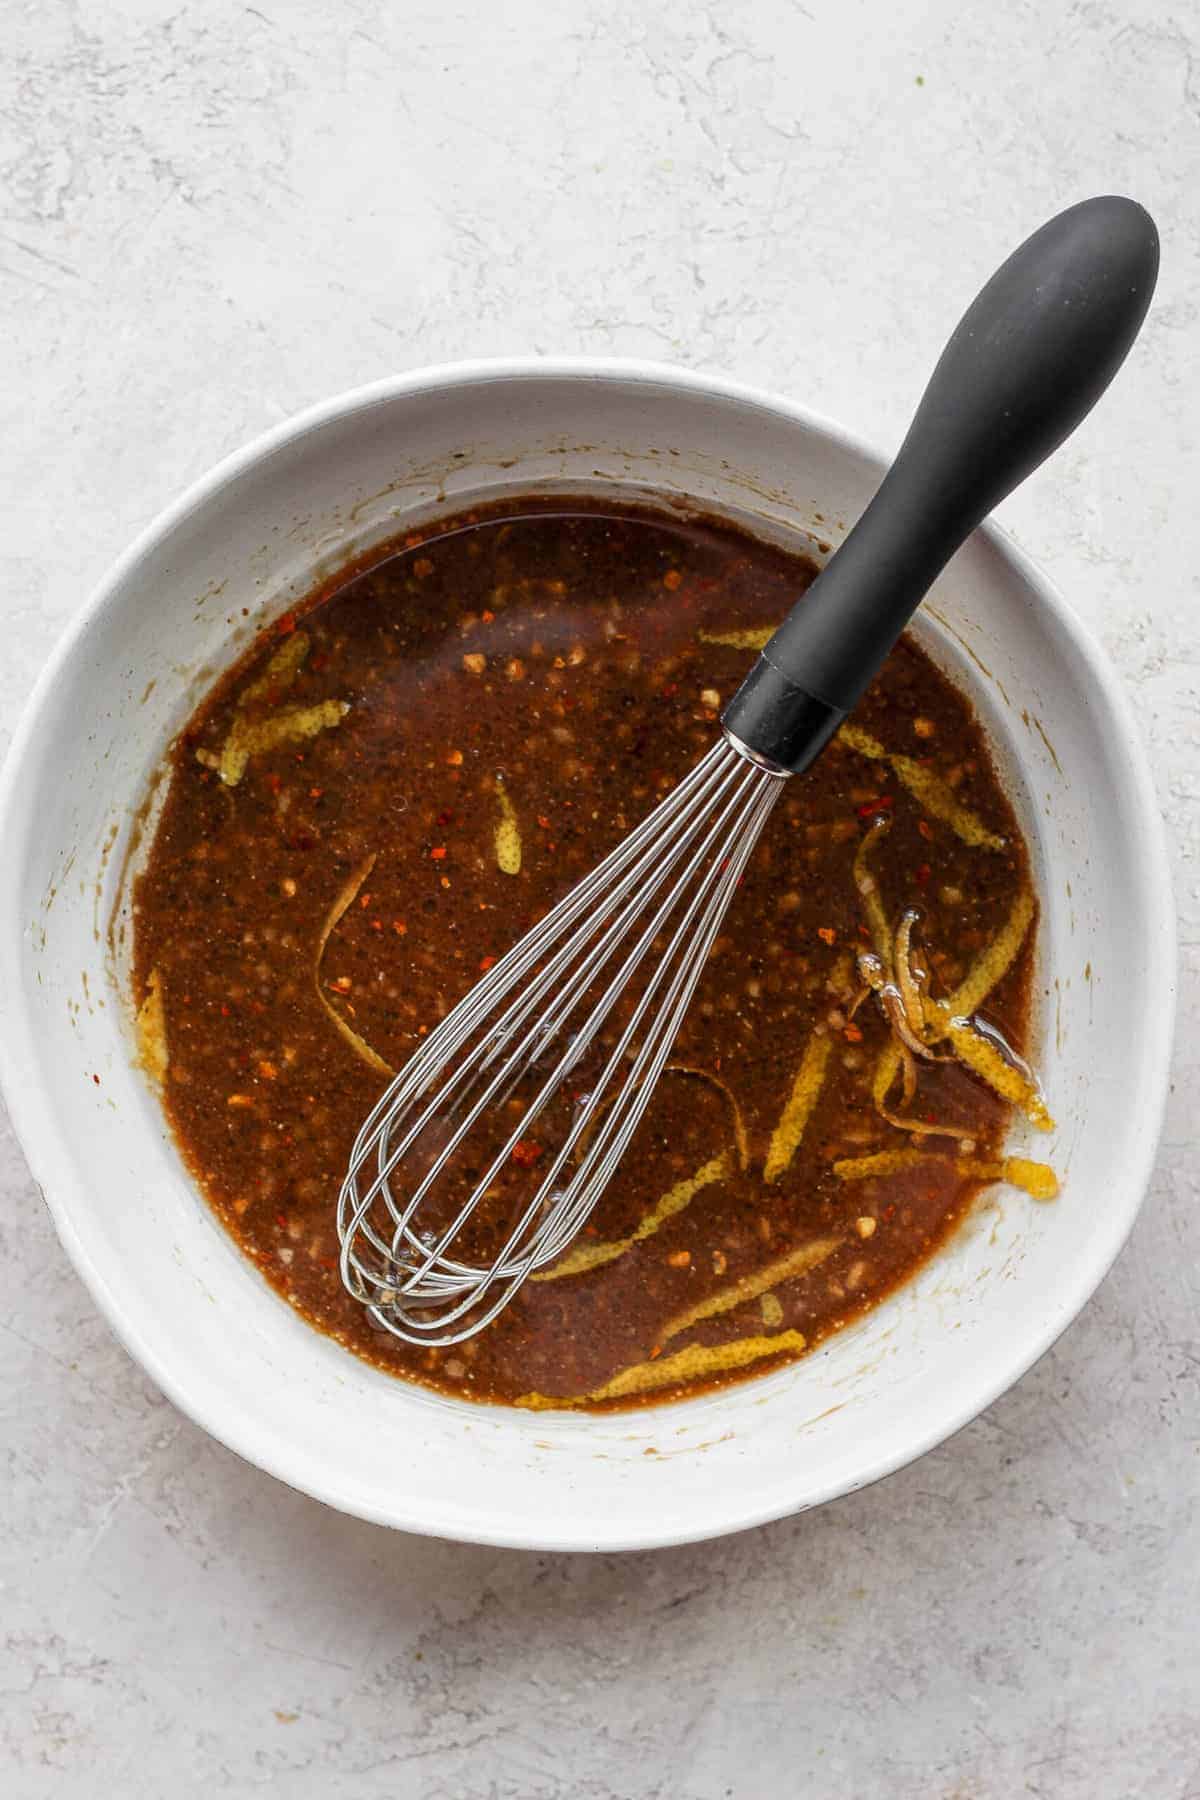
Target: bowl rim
column 40, row 1136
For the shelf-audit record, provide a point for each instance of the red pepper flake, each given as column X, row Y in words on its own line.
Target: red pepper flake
column 486, row 962
column 422, row 567
column 444, row 818
column 543, row 821
column 525, row 1152
column 672, row 687
column 881, row 803
column 399, row 927
column 853, row 1034
column 317, row 663
column 286, row 624
column 281, row 1220
column 827, row 934
column 315, row 793
column 925, row 828
column 889, row 1213
column 274, row 782
column 487, row 616
column 438, row 853
column 96, row 1079
column 672, row 579
column 923, row 874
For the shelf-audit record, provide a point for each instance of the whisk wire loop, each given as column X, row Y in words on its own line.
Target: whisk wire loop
column 415, row 1280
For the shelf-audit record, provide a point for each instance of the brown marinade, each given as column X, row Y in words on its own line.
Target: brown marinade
column 406, row 773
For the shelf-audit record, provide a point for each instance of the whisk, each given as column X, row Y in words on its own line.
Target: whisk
column 449, row 1202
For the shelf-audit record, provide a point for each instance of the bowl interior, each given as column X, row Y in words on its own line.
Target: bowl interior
column 245, row 545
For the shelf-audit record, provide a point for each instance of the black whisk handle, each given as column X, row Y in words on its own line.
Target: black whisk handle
column 1027, row 363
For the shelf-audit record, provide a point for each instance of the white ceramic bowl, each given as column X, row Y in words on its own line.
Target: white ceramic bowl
column 225, row 1347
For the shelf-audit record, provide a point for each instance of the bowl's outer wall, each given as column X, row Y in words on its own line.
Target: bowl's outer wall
column 193, row 1311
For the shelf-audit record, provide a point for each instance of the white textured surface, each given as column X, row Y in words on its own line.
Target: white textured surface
column 213, row 215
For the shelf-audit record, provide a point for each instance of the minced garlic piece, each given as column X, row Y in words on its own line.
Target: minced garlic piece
column 772, row 1311
column 508, row 834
